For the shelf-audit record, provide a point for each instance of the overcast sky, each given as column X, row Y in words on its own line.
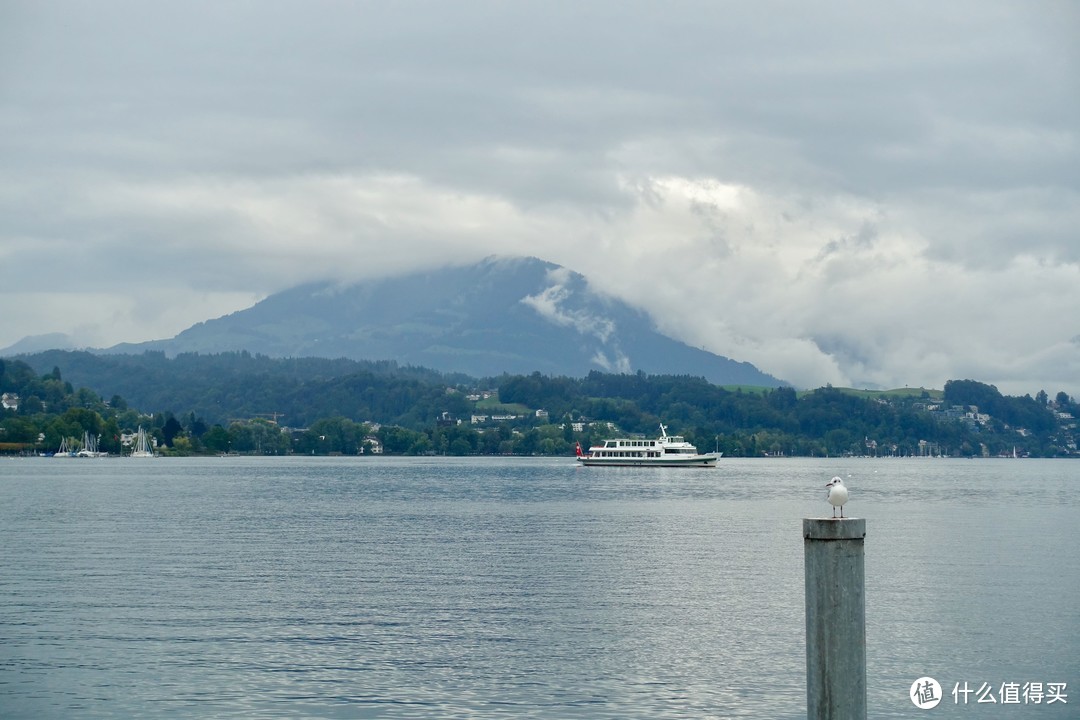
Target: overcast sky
column 865, row 194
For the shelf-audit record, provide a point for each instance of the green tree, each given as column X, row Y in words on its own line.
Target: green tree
column 110, row 437
column 82, row 420
column 217, row 439
column 183, row 446
column 196, row 426
column 460, row 446
column 18, row 430
column 335, row 435
column 400, row 441
column 259, row 437
column 170, row 430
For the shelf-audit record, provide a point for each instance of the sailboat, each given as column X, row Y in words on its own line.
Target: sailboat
column 90, row 447
column 142, row 446
column 65, row 450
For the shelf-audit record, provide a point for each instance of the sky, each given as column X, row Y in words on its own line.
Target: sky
column 860, row 194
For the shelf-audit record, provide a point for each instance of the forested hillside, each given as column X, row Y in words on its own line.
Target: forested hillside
column 248, row 403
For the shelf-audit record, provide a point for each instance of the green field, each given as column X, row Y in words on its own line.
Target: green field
column 936, row 395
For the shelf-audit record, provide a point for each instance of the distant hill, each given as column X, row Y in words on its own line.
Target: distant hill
column 38, row 343
column 502, row 315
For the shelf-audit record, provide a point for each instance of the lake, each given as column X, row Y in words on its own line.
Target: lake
column 520, row 587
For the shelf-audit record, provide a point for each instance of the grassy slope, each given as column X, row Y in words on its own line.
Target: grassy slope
column 935, row 395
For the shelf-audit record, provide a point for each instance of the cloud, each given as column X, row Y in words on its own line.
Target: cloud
column 837, row 193
column 550, row 303
column 553, row 302
column 618, row 364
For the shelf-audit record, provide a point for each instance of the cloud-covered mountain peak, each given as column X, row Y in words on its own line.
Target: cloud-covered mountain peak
column 501, row 315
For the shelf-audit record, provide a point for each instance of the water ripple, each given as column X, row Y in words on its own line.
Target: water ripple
column 511, row 588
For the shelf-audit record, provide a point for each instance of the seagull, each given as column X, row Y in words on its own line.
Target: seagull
column 837, row 495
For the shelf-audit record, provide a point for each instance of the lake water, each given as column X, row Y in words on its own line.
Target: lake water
column 518, row 588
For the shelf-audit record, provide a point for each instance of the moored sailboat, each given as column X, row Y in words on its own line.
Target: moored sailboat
column 142, row 445
column 90, row 447
column 65, row 450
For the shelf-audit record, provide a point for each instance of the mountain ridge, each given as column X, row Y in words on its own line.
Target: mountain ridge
column 513, row 315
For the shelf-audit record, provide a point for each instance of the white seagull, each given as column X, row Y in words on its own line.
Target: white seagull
column 837, row 495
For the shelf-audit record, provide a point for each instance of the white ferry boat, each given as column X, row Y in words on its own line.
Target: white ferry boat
column 665, row 451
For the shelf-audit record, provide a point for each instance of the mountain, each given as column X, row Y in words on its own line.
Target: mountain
column 502, row 315
column 38, row 343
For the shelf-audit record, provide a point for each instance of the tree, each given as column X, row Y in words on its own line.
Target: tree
column 782, row 398
column 398, row 440
column 110, row 437
column 217, row 439
column 460, row 446
column 183, row 446
column 81, row 420
column 333, row 435
column 422, row 446
column 31, row 405
column 971, row 392
column 528, row 443
column 170, row 430
column 196, row 426
column 18, row 430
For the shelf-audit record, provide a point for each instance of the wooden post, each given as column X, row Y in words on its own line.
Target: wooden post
column 835, row 618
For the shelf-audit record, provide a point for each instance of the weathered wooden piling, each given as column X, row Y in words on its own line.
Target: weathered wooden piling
column 835, row 618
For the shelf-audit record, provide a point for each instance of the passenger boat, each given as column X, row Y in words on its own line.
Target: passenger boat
column 665, row 451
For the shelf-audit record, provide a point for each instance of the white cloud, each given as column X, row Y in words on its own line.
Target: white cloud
column 550, row 304
column 619, row 363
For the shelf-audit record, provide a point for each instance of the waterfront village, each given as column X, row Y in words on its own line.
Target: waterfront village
column 531, row 415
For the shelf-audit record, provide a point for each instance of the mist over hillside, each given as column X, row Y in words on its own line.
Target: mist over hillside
column 502, row 315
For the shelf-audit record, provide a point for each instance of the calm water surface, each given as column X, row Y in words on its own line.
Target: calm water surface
column 517, row 588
